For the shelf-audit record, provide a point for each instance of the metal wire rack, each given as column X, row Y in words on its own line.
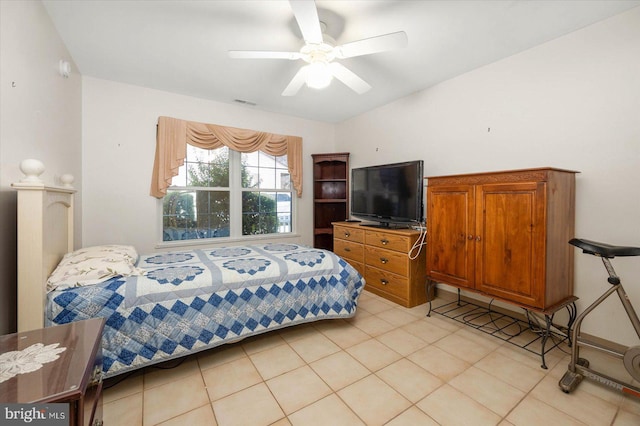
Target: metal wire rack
column 532, row 332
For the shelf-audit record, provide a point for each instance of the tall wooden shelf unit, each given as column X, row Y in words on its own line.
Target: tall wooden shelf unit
column 330, row 195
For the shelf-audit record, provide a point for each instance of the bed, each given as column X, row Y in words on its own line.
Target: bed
column 174, row 303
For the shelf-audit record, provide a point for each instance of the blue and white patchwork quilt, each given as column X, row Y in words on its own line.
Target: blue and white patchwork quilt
column 188, row 301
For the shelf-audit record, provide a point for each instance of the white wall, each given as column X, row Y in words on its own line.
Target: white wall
column 119, row 131
column 41, row 118
column 571, row 103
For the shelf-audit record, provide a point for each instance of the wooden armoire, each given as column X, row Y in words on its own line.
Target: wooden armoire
column 504, row 234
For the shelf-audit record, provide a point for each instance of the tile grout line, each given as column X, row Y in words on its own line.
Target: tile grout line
column 528, row 394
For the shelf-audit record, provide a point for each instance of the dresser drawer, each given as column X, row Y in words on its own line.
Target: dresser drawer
column 349, row 250
column 387, row 282
column 388, row 260
column 349, row 234
column 388, row 240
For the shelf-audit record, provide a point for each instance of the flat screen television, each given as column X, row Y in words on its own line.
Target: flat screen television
column 389, row 193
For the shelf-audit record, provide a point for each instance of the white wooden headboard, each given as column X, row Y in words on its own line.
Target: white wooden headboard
column 45, row 234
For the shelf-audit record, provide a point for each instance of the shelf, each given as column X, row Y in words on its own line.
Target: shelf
column 330, row 195
column 323, row 231
column 330, row 189
column 330, row 200
column 323, row 241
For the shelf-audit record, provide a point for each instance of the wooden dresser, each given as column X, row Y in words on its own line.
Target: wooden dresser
column 382, row 257
column 504, row 234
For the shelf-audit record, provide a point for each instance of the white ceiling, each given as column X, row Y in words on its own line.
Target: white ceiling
column 181, row 46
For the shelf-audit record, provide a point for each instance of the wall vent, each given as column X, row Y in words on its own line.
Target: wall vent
column 242, row 101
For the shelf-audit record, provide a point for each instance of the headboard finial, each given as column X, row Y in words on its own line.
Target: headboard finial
column 67, row 180
column 32, row 170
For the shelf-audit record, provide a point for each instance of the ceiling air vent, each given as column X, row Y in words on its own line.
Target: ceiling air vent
column 243, row 102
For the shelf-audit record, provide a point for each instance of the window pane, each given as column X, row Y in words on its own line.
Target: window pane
column 250, row 177
column 208, row 167
column 212, row 209
column 181, row 178
column 259, row 214
column 282, row 163
column 178, row 209
column 267, row 177
column 251, row 158
column 195, row 214
column 267, row 202
column 193, row 153
column 260, row 170
column 283, row 206
column 195, row 175
column 283, row 179
column 267, row 161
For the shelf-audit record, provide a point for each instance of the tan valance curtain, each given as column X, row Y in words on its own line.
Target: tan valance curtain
column 174, row 135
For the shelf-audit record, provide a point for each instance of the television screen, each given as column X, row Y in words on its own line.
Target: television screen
column 389, row 193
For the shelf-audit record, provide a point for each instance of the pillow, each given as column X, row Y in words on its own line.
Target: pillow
column 93, row 265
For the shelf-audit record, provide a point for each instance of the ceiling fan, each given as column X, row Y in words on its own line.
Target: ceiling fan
column 320, row 52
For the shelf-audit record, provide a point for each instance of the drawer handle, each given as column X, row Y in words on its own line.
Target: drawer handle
column 383, row 281
column 384, row 241
column 384, row 260
column 347, row 249
column 347, row 234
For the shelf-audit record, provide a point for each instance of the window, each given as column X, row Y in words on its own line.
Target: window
column 224, row 193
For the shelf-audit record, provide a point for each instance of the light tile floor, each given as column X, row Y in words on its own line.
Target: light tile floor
column 386, row 366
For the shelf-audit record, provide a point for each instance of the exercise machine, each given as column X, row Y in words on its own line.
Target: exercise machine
column 630, row 356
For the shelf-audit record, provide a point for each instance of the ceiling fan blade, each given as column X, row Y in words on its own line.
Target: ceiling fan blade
column 349, row 78
column 307, row 17
column 296, row 82
column 376, row 44
column 263, row 54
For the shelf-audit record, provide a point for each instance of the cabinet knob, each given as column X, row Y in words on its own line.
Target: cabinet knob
column 478, row 238
column 384, row 260
column 383, row 281
column 470, row 237
column 384, row 241
column 347, row 234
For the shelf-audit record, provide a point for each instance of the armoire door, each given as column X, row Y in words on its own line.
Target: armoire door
column 450, row 234
column 510, row 241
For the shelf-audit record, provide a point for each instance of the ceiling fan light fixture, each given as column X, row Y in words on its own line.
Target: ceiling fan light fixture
column 318, row 75
column 320, row 51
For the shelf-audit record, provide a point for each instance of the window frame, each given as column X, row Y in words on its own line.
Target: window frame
column 235, row 210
